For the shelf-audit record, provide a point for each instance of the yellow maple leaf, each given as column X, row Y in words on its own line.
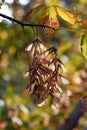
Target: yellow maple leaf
column 47, row 13
column 52, row 12
column 66, row 15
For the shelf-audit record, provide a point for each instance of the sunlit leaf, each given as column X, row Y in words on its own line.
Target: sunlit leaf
column 52, row 12
column 66, row 15
column 36, row 12
column 84, row 45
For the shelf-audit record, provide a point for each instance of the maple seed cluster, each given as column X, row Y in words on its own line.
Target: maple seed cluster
column 44, row 72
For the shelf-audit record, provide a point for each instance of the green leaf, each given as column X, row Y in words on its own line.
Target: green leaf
column 36, row 12
column 66, row 15
column 84, row 45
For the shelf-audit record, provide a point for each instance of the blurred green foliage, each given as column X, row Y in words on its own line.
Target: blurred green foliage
column 17, row 109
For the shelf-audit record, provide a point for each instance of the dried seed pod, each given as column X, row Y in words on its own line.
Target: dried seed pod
column 30, row 88
column 35, row 48
column 45, row 72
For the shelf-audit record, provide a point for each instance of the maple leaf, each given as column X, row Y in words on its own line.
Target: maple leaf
column 46, row 14
column 36, row 13
column 66, row 15
column 49, row 21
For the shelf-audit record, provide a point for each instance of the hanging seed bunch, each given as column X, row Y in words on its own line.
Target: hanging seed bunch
column 45, row 70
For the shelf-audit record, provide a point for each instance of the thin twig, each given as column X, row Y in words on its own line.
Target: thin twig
column 25, row 24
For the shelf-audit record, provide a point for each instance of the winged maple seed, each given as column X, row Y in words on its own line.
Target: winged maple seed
column 44, row 72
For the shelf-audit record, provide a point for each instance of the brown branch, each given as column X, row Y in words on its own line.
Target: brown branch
column 25, row 24
column 73, row 118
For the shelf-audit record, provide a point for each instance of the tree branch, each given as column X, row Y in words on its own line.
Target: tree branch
column 73, row 118
column 25, row 24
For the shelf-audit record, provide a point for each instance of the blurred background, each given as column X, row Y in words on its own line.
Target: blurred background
column 17, row 108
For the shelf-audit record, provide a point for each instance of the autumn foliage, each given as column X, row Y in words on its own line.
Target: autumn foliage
column 43, row 62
